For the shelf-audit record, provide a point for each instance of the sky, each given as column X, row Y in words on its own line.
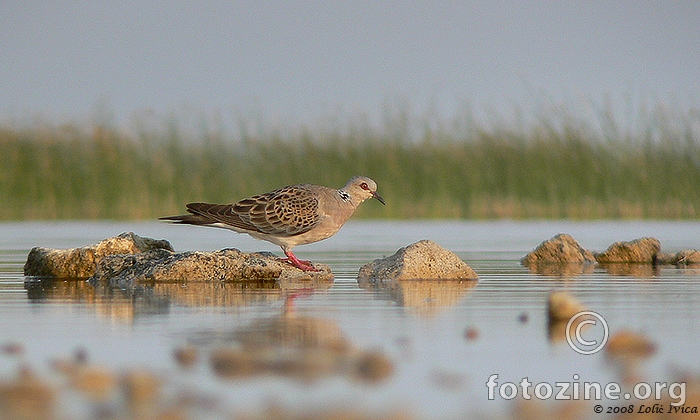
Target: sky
column 300, row 61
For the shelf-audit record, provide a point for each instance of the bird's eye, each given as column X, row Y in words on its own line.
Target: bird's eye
column 364, row 186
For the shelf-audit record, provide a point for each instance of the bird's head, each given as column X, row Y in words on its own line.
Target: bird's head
column 362, row 188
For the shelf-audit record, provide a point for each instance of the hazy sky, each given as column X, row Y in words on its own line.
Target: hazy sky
column 302, row 60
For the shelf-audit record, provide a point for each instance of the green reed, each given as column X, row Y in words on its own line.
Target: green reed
column 557, row 168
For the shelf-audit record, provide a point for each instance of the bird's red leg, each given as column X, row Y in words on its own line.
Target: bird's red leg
column 296, row 262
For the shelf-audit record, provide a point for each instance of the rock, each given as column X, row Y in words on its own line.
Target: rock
column 687, row 257
column 629, row 344
column 562, row 306
column 422, row 260
column 12, row 349
column 561, row 248
column 373, row 366
column 161, row 265
column 643, row 250
column 561, row 309
column 665, row 258
column 82, row 262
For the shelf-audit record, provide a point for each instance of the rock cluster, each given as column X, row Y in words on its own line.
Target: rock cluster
column 563, row 249
column 129, row 259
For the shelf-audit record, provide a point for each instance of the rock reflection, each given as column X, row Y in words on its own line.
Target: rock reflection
column 422, row 296
column 127, row 304
column 560, row 270
column 571, row 270
column 631, row 269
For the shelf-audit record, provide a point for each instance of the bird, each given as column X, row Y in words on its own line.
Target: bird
column 289, row 216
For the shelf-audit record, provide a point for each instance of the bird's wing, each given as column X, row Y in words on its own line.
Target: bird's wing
column 209, row 214
column 288, row 211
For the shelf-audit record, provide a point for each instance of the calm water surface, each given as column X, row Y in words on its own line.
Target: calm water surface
column 439, row 372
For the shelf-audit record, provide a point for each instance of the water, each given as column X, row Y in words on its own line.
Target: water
column 444, row 341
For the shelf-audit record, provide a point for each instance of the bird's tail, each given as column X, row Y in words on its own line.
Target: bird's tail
column 188, row 219
column 193, row 218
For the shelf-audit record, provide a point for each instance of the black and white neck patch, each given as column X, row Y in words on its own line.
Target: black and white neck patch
column 344, row 195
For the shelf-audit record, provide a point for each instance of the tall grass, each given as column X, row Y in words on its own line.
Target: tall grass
column 555, row 167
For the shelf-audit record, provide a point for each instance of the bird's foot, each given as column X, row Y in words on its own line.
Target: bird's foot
column 303, row 265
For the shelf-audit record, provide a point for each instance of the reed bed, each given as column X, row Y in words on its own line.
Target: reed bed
column 550, row 168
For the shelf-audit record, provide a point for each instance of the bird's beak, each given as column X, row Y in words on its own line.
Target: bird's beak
column 380, row 199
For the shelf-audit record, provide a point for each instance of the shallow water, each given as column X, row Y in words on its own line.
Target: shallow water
column 444, row 340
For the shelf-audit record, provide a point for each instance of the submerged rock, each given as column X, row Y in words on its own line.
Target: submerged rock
column 561, row 248
column 642, row 250
column 562, row 306
column 630, row 344
column 27, row 397
column 230, row 264
column 298, row 347
column 186, row 356
column 82, row 262
column 422, row 260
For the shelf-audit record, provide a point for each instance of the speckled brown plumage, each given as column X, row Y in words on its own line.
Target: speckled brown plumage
column 289, row 216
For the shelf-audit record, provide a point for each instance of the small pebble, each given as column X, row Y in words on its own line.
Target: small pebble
column 186, row 356
column 471, row 333
column 12, row 349
column 374, row 366
column 81, row 355
column 232, row 363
